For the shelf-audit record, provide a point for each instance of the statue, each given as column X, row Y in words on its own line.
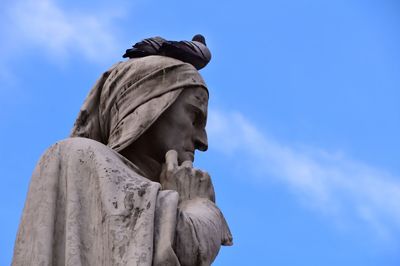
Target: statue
column 122, row 189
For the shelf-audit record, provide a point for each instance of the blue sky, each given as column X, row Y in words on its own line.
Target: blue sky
column 304, row 119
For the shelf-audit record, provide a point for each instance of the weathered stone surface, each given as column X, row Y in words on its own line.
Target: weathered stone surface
column 122, row 190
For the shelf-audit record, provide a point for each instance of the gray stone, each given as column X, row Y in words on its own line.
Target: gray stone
column 122, row 189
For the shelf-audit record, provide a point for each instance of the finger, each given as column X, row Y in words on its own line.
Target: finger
column 205, row 176
column 171, row 160
column 206, row 186
column 183, row 179
column 188, row 164
column 211, row 192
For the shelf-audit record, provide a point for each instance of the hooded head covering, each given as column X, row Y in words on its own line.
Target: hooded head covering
column 129, row 97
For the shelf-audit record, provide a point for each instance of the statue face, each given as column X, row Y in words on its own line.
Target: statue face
column 181, row 127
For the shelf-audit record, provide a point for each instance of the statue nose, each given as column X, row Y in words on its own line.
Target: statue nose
column 201, row 142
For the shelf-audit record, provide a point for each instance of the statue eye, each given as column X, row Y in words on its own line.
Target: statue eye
column 196, row 117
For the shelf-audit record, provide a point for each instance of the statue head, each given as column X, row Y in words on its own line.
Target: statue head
column 181, row 128
column 145, row 107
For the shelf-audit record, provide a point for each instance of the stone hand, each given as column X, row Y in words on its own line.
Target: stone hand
column 189, row 182
column 201, row 227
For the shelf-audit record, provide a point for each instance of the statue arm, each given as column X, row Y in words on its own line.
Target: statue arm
column 164, row 228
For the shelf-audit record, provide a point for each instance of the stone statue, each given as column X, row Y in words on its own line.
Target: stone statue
column 122, row 189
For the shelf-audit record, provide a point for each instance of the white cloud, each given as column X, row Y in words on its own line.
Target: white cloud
column 333, row 184
column 43, row 25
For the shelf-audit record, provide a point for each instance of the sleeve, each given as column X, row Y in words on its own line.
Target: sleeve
column 164, row 228
column 188, row 233
column 201, row 230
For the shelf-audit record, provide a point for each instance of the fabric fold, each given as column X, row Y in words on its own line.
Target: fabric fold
column 86, row 205
column 136, row 92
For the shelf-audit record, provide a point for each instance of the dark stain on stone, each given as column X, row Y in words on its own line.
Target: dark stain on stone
column 136, row 214
column 121, row 251
column 129, row 201
column 142, row 189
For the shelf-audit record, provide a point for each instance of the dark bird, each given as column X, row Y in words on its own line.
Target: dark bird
column 194, row 52
column 146, row 47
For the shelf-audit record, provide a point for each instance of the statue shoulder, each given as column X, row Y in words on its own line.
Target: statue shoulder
column 77, row 149
column 79, row 143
